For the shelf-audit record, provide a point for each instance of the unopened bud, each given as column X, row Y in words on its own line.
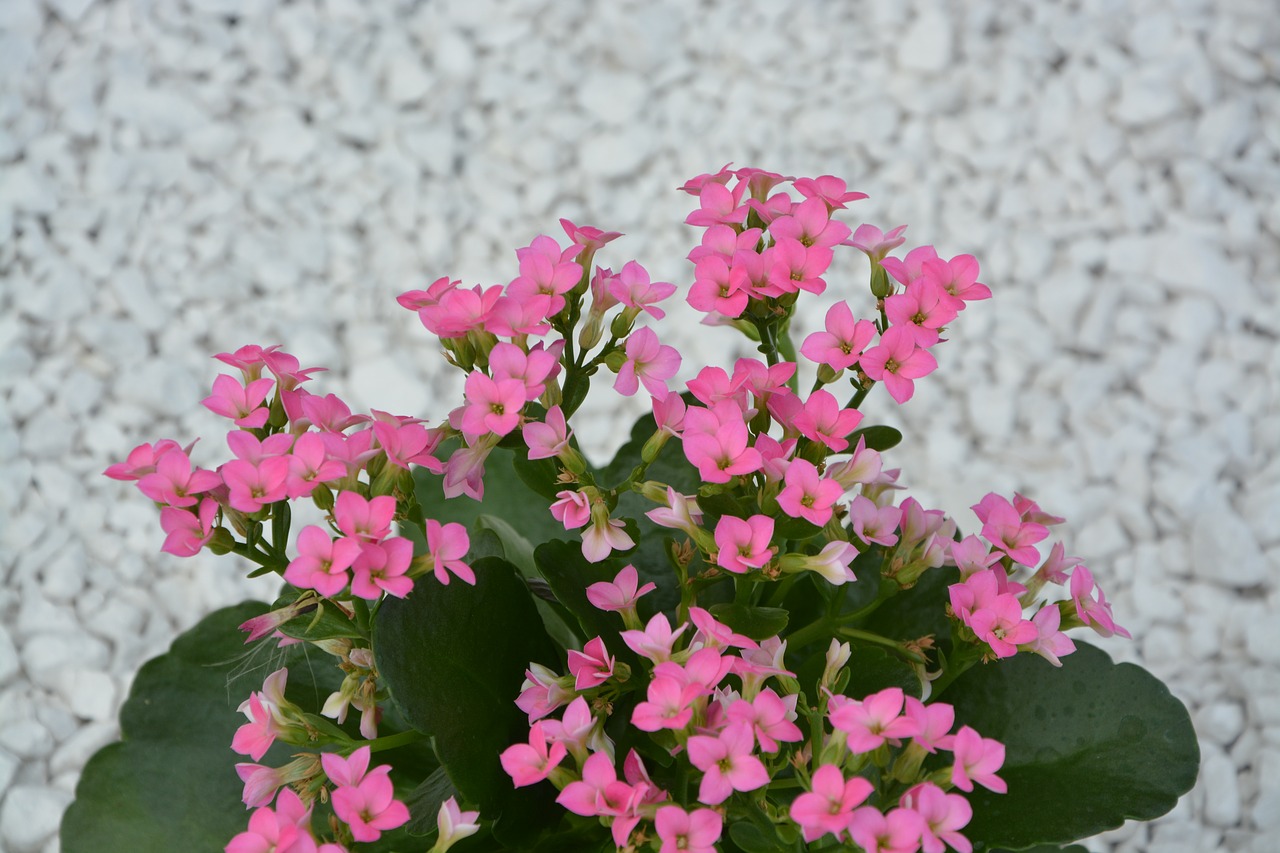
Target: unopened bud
column 880, row 284
column 621, row 325
column 615, row 358
column 322, row 496
column 222, row 542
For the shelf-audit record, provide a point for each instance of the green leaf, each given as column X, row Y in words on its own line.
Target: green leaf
column 324, row 622
column 751, row 838
column 170, row 784
column 758, row 623
column 454, row 658
column 1087, row 746
column 877, row 437
column 505, row 496
column 872, row 669
column 569, row 574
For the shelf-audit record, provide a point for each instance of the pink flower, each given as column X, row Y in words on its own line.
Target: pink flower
column 364, row 801
column 843, row 341
column 546, row 439
column 1000, row 625
column 944, row 815
column 656, row 641
column 266, row 718
column 251, row 486
column 286, row 829
column 241, row 403
column 310, row 465
column 407, row 444
column 648, row 361
column 492, row 405
column 684, row 832
column 719, row 287
column 797, row 268
column 897, row 832
column 530, row 763
column 832, row 562
column 668, row 705
column 381, row 568
column 174, row 483
column 873, row 523
column 631, row 287
column 714, row 634
column 727, row 763
column 187, row 531
column 873, row 721
column 447, row 544
column 572, row 509
column 808, row 494
column 810, row 224
column 621, row 594
column 876, row 243
column 716, row 442
column 743, row 543
column 142, row 460
column 1095, row 613
column 822, row 419
column 929, row 724
column 532, row 369
column 829, row 804
column 958, row 279
column 718, row 205
column 680, row 512
column 976, row 760
column 592, row 666
column 897, row 361
column 921, row 310
column 322, row 562
column 588, row 238
column 542, row 692
column 364, row 518
column 770, row 718
column 1004, row 528
column 830, row 189
column 1051, row 643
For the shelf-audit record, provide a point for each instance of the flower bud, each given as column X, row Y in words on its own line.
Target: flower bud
column 322, row 496
column 222, row 542
column 621, row 325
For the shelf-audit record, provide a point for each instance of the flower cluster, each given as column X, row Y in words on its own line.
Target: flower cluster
column 738, row 699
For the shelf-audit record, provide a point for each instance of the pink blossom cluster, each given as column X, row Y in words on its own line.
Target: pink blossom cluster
column 710, row 701
column 992, row 604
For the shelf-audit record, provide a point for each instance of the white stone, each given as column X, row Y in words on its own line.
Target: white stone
column 72, row 754
column 44, row 655
column 89, row 694
column 9, row 764
column 29, row 816
column 927, row 43
column 615, row 154
column 1266, row 810
column 26, row 738
column 406, row 80
column 1225, row 128
column 1223, row 548
column 615, row 97
column 1219, row 786
column 70, row 11
column 1145, row 98
column 1262, row 639
column 1220, row 722
column 281, row 137
column 8, row 656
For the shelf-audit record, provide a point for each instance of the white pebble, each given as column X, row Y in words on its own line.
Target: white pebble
column 29, row 816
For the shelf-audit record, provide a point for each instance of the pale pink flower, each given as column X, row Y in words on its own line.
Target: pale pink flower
column 364, row 799
column 532, row 369
column 668, row 704
column 588, row 238
column 543, row 691
column 873, row 523
column 971, row 555
column 453, row 825
column 770, row 718
column 264, row 709
column 604, row 536
column 329, row 413
column 714, row 634
column 407, row 444
column 930, row 725
column 1004, row 528
column 832, row 562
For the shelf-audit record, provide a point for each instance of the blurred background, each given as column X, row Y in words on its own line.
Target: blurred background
column 180, row 178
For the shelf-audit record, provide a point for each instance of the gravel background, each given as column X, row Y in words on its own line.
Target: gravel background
column 181, row 178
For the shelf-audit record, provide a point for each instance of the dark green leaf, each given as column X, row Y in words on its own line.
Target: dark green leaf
column 1087, row 746
column 758, row 623
column 454, row 658
column 569, row 574
column 916, row 612
column 877, row 437
column 751, row 838
column 324, row 622
column 872, row 669
column 170, row 782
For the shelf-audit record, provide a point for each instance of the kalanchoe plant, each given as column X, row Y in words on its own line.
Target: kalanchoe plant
column 740, row 634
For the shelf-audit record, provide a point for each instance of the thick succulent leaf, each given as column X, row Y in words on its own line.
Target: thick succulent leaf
column 454, row 658
column 1088, row 746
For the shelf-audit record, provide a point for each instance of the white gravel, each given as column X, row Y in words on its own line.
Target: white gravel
column 181, row 178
